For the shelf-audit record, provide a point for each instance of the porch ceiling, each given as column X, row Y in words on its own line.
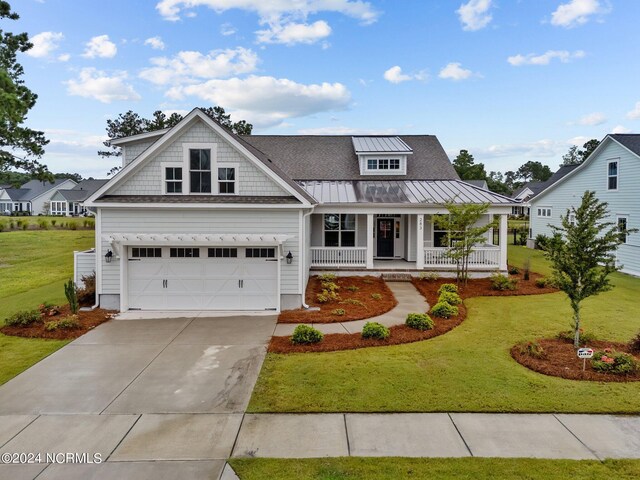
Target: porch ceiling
column 410, row 192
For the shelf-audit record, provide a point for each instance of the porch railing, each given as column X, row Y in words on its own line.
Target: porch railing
column 481, row 257
column 338, row 256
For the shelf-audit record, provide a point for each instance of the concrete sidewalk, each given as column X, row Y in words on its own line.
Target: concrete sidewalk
column 409, row 301
column 577, row 437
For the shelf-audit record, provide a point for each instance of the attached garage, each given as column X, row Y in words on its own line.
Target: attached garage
column 220, row 277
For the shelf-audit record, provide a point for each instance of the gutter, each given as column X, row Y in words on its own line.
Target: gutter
column 304, row 217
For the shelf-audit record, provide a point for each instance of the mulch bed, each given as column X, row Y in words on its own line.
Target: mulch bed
column 342, row 341
column 88, row 321
column 366, row 286
column 561, row 361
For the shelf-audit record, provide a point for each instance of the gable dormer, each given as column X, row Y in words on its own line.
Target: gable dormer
column 382, row 155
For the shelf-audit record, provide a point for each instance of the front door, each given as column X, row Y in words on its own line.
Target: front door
column 385, row 237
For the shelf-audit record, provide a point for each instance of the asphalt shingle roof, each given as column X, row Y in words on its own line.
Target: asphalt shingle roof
column 310, row 157
column 629, row 140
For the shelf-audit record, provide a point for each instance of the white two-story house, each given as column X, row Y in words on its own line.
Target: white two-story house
column 202, row 219
column 613, row 172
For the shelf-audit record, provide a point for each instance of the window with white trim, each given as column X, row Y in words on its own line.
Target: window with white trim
column 612, row 175
column 58, row 208
column 572, row 218
column 339, row 230
column 383, row 164
column 200, row 170
column 622, row 228
column 173, row 179
column 544, row 212
column 227, row 180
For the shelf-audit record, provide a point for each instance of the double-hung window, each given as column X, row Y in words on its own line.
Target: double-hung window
column 200, row 170
column 544, row 212
column 173, row 179
column 227, row 180
column 339, row 230
column 612, row 175
column 622, row 229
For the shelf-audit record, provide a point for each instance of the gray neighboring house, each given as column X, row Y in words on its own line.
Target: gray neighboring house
column 529, row 190
column 71, row 202
column 613, row 172
column 478, row 183
column 201, row 219
column 31, row 197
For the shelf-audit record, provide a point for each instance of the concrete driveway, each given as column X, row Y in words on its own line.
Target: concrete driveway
column 137, row 391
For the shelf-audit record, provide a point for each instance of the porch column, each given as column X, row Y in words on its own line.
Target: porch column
column 503, row 241
column 370, row 241
column 420, row 241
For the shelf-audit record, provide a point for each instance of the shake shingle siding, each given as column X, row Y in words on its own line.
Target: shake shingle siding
column 593, row 176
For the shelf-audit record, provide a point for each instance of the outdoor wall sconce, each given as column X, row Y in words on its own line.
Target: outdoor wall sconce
column 108, row 256
column 289, row 258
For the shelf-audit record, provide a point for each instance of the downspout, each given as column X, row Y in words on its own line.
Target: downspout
column 304, row 244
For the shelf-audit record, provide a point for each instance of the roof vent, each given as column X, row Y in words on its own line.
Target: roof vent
column 372, row 144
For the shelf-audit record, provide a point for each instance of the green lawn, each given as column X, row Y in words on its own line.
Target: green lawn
column 466, row 370
column 354, row 468
column 34, row 266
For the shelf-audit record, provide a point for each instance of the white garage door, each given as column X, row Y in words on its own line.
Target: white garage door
column 202, row 278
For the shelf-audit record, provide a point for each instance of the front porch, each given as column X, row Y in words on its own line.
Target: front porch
column 389, row 242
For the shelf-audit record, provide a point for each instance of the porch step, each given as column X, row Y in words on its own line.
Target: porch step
column 396, row 277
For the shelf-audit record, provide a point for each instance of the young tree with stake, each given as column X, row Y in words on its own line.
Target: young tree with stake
column 582, row 253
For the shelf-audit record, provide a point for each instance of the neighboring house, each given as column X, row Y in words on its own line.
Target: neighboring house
column 478, row 183
column 529, row 190
column 71, row 202
column 31, row 197
column 201, row 219
column 613, row 172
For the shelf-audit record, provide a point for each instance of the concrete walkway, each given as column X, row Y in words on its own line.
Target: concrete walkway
column 409, row 301
column 577, row 437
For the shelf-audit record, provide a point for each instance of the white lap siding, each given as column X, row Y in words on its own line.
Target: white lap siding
column 172, row 221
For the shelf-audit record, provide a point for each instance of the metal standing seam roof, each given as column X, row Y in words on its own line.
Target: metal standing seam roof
column 380, row 145
column 419, row 192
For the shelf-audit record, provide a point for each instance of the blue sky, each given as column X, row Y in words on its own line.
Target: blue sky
column 510, row 80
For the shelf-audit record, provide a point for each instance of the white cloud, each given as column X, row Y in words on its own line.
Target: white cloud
column 155, row 42
column 635, row 113
column 227, row 29
column 191, row 66
column 65, row 57
column 474, row 14
column 395, row 75
column 273, row 9
column 44, row 44
column 592, row 119
column 576, row 12
column 267, row 101
column 101, row 47
column 620, row 129
column 346, row 131
column 292, row 33
column 532, row 59
column 454, row 71
column 96, row 84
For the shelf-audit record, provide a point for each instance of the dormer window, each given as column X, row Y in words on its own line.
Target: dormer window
column 382, row 155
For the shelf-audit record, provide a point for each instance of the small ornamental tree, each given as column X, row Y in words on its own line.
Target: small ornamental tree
column 582, row 253
column 463, row 233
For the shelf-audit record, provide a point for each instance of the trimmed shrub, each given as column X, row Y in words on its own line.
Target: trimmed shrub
column 352, row 301
column 634, row 344
column 353, row 288
column 502, row 282
column 542, row 241
column 610, row 361
column 514, row 270
column 71, row 292
column 3, row 226
column 327, row 277
column 43, row 224
column 53, row 222
column 73, row 225
column 429, row 276
column 375, row 330
column 542, row 282
column 450, row 297
column 444, row 310
column 338, row 312
column 327, row 296
column 585, row 338
column 49, row 309
column 331, row 286
column 304, row 334
column 66, row 323
column 532, row 349
column 419, row 321
column 23, row 319
column 448, row 287
column 376, row 296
